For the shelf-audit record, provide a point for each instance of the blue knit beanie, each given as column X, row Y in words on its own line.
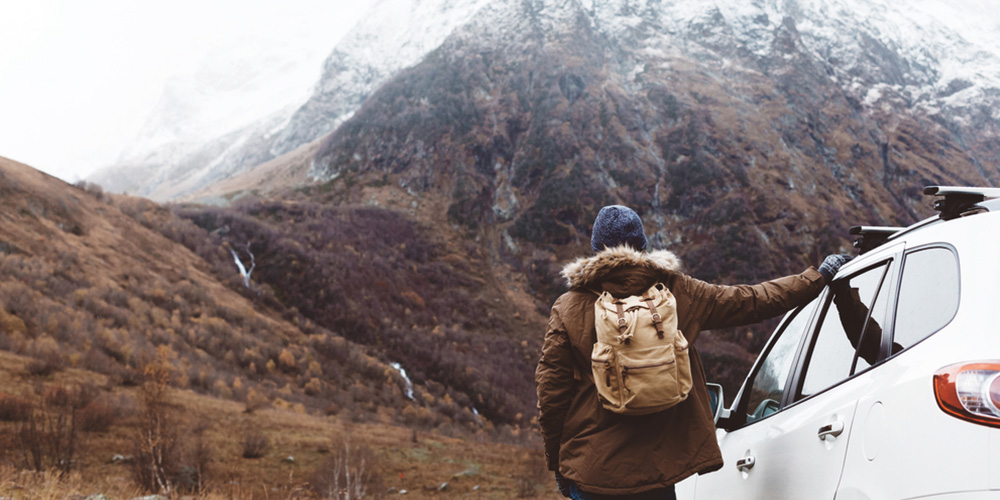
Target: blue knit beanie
column 617, row 225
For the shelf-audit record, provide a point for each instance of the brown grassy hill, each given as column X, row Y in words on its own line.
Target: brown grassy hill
column 92, row 294
column 84, row 284
column 390, row 458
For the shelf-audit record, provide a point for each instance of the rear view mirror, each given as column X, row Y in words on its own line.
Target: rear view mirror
column 716, row 401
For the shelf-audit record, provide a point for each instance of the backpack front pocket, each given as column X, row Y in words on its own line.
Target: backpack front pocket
column 607, row 376
column 649, row 379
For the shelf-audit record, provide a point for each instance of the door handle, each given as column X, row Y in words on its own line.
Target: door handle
column 746, row 463
column 833, row 430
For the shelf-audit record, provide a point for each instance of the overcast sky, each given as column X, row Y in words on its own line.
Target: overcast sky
column 78, row 78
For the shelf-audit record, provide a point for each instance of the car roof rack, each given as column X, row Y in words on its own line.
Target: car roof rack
column 957, row 201
column 872, row 236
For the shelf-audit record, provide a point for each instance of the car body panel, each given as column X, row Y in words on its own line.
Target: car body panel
column 792, row 444
column 897, row 443
column 728, row 482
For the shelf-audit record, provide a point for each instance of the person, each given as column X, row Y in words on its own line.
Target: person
column 597, row 454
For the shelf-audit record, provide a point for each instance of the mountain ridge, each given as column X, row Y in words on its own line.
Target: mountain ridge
column 882, row 55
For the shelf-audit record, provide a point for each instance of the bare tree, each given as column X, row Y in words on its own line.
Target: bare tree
column 156, row 437
column 48, row 436
column 346, row 475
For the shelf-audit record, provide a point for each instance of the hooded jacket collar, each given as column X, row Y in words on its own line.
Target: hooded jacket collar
column 587, row 271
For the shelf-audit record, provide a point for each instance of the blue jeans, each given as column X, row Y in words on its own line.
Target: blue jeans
column 662, row 494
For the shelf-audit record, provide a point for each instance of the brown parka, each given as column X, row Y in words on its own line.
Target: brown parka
column 611, row 454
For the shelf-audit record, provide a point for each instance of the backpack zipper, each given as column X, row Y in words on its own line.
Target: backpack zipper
column 624, row 374
column 625, row 368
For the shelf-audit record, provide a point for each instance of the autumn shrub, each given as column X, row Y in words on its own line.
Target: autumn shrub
column 45, row 365
column 533, row 475
column 255, row 401
column 49, row 437
column 254, row 444
column 97, row 416
column 14, row 409
column 313, row 387
column 195, row 459
column 91, row 188
column 12, row 325
column 77, row 397
column 126, row 377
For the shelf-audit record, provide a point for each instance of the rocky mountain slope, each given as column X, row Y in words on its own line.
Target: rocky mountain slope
column 739, row 134
column 927, row 59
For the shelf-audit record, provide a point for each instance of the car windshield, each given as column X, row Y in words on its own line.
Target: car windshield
column 769, row 381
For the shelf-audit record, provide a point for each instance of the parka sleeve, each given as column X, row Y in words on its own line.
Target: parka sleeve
column 727, row 306
column 554, row 383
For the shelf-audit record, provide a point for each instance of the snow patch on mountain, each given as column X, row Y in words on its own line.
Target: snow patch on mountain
column 934, row 56
column 396, row 34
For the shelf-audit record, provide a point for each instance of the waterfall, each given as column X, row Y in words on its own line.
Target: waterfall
column 409, row 385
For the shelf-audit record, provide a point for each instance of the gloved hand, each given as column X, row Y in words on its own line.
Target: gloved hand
column 563, row 484
column 831, row 264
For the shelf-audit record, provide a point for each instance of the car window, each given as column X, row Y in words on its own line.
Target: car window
column 869, row 350
column 928, row 295
column 841, row 331
column 768, row 383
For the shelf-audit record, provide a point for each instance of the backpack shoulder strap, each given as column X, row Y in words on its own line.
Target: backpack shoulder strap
column 657, row 320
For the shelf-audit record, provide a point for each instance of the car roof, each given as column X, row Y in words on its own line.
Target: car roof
column 953, row 203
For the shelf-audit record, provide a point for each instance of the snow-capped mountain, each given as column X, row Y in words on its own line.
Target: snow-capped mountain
column 221, row 122
column 796, row 119
column 395, row 35
column 925, row 58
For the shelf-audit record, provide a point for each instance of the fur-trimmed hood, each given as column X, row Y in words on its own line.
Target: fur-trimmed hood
column 587, row 270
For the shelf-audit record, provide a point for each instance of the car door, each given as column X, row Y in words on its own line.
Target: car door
column 806, row 441
column 788, row 429
column 763, row 390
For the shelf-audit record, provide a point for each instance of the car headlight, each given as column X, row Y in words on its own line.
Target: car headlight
column 970, row 391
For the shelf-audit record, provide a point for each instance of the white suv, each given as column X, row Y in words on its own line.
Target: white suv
column 886, row 386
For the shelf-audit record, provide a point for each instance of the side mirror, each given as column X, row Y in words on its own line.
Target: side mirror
column 716, row 401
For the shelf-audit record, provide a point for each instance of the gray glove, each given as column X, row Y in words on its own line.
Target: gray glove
column 563, row 485
column 831, row 264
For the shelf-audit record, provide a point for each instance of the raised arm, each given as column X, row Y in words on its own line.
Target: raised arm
column 727, row 306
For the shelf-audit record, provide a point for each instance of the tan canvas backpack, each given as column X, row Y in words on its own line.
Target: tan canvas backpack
column 640, row 360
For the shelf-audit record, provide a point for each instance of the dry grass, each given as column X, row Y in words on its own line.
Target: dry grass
column 402, row 459
column 17, row 484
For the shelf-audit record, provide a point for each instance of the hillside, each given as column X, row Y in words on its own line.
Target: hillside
column 96, row 304
column 86, row 283
column 295, row 455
